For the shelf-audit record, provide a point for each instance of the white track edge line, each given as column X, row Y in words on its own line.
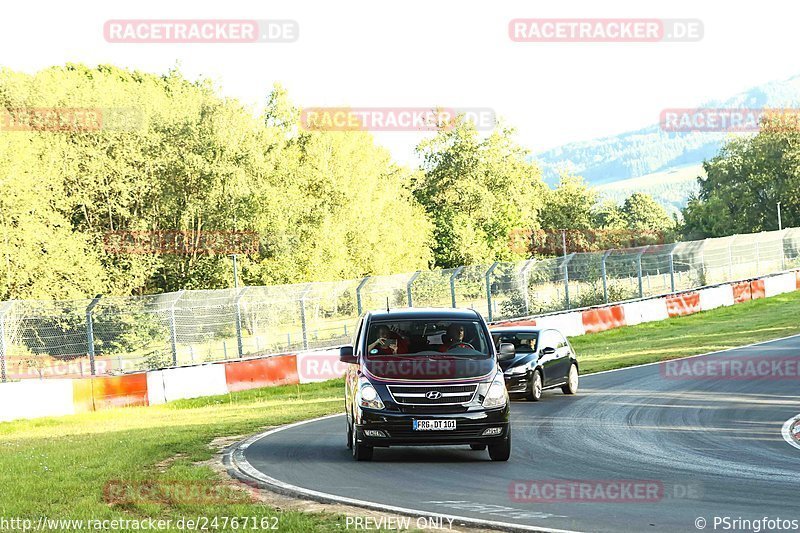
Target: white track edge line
column 241, row 463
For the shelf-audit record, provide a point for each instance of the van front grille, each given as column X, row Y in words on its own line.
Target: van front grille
column 432, row 394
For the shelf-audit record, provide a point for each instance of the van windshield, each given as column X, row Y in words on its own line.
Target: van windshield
column 430, row 337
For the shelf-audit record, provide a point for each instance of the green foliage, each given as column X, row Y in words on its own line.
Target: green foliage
column 745, row 182
column 327, row 205
column 477, row 191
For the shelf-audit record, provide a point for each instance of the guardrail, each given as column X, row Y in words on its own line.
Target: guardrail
column 57, row 397
column 114, row 335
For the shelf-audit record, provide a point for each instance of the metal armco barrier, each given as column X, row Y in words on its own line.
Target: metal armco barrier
column 56, row 397
column 129, row 334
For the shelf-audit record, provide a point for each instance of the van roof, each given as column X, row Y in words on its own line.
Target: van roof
column 410, row 313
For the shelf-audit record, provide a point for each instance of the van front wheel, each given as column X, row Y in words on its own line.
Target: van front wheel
column 502, row 450
column 360, row 451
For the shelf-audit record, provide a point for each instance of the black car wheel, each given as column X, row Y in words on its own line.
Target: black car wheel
column 502, row 450
column 360, row 451
column 535, row 393
column 571, row 386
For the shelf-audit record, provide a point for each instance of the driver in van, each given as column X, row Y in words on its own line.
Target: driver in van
column 454, row 336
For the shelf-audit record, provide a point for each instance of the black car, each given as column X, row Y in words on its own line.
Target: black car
column 425, row 377
column 543, row 359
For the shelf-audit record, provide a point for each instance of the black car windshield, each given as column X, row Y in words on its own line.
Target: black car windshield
column 429, row 337
column 523, row 341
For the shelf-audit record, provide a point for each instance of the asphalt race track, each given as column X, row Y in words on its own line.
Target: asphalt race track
column 714, row 446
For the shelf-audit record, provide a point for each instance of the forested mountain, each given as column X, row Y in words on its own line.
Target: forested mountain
column 637, row 153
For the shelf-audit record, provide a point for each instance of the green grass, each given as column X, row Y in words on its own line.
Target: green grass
column 58, row 467
column 728, row 327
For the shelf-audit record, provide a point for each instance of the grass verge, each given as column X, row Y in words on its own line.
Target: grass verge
column 727, row 327
column 62, row 467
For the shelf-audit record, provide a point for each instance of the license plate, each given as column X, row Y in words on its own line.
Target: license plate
column 434, row 425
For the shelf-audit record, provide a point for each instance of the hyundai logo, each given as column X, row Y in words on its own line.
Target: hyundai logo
column 433, row 395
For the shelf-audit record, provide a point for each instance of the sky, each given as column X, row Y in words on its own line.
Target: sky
column 438, row 53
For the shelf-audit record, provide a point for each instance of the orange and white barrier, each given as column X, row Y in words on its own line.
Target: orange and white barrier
column 603, row 318
column 780, row 284
column 713, row 297
column 35, row 399
column 256, row 373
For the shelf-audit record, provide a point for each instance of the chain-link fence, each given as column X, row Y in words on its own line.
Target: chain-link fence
column 111, row 335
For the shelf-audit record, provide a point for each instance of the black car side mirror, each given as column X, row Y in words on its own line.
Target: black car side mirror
column 346, row 355
column 548, row 350
column 506, row 352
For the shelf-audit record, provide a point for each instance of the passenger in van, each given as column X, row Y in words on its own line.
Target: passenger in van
column 388, row 342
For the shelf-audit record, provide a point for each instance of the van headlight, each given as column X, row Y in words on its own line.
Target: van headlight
column 368, row 396
column 496, row 396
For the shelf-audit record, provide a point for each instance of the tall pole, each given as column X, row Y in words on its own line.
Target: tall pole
column 4, row 309
column 90, row 332
column 780, row 226
column 489, row 288
column 235, row 272
column 453, row 277
column 566, row 274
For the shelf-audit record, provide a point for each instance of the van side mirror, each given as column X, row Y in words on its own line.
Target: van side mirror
column 346, row 355
column 506, row 352
column 548, row 350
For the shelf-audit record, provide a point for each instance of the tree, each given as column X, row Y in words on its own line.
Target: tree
column 745, row 181
column 478, row 192
column 642, row 213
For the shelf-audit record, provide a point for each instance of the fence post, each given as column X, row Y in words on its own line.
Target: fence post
column 639, row 269
column 672, row 269
column 4, row 309
column 567, row 259
column 489, row 287
column 783, row 249
column 453, row 276
column 236, row 301
column 603, row 273
column 90, row 332
column 173, row 334
column 758, row 259
column 730, row 258
column 408, row 287
column 303, row 315
column 358, row 294
column 524, row 273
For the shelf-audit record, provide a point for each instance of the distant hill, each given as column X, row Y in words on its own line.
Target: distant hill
column 650, row 150
column 669, row 188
